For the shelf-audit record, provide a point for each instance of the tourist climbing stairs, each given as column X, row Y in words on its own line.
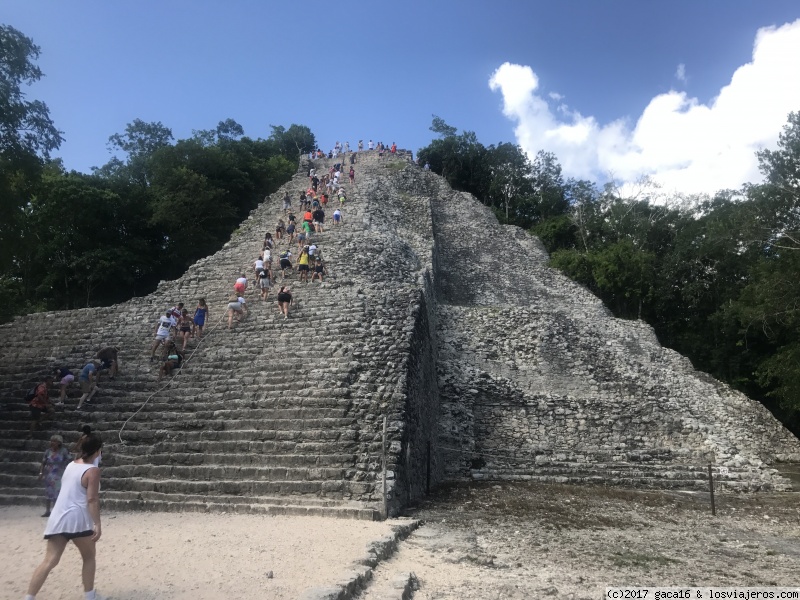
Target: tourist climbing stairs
column 274, row 415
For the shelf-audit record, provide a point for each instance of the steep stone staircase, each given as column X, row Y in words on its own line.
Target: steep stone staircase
column 450, row 328
column 273, row 416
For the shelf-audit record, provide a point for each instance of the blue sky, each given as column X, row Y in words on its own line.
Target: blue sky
column 598, row 83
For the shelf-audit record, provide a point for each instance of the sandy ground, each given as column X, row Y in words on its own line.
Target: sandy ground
column 478, row 542
column 490, row 541
column 159, row 556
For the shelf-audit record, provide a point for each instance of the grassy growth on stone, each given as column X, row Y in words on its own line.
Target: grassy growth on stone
column 396, row 166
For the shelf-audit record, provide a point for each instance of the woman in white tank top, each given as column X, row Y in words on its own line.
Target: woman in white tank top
column 76, row 517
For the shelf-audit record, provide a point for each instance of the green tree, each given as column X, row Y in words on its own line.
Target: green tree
column 87, row 244
column 461, row 159
column 139, row 141
column 27, row 137
column 25, row 125
column 442, row 129
column 510, row 186
column 294, row 141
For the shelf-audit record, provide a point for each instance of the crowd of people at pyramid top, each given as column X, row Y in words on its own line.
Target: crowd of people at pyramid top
column 345, row 149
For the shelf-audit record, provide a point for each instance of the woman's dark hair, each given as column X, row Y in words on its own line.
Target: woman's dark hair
column 90, row 445
column 86, row 430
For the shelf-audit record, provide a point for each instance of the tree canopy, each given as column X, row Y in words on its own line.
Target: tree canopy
column 71, row 240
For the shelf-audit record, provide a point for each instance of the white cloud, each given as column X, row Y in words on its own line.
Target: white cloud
column 681, row 143
column 680, row 73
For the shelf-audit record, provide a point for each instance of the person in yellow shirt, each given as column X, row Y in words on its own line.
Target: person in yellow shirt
column 303, row 264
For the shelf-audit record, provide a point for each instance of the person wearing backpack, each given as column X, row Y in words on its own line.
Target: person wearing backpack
column 38, row 399
column 285, row 262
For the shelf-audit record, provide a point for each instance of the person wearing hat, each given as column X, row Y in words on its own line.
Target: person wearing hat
column 55, row 460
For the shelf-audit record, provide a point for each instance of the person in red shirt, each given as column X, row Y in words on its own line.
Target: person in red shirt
column 308, row 217
column 40, row 404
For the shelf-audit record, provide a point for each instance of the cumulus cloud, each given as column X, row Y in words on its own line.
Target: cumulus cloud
column 679, row 142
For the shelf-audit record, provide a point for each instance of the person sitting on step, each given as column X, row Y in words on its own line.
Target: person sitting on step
column 173, row 359
column 319, row 270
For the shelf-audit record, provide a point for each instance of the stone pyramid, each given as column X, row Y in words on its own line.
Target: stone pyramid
column 450, row 328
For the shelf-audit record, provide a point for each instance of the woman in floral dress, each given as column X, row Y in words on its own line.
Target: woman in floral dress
column 55, row 460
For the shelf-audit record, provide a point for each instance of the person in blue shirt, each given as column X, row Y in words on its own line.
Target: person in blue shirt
column 88, row 381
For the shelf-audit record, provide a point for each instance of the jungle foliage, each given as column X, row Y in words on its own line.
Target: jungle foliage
column 70, row 240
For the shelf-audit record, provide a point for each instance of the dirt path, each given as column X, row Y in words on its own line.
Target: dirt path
column 160, row 556
column 533, row 541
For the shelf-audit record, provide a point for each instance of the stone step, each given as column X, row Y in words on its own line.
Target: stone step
column 275, row 506
column 28, row 462
column 133, row 435
column 274, row 416
column 308, row 454
column 671, row 475
column 171, row 420
column 650, row 482
column 241, row 487
column 113, row 475
column 663, row 471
